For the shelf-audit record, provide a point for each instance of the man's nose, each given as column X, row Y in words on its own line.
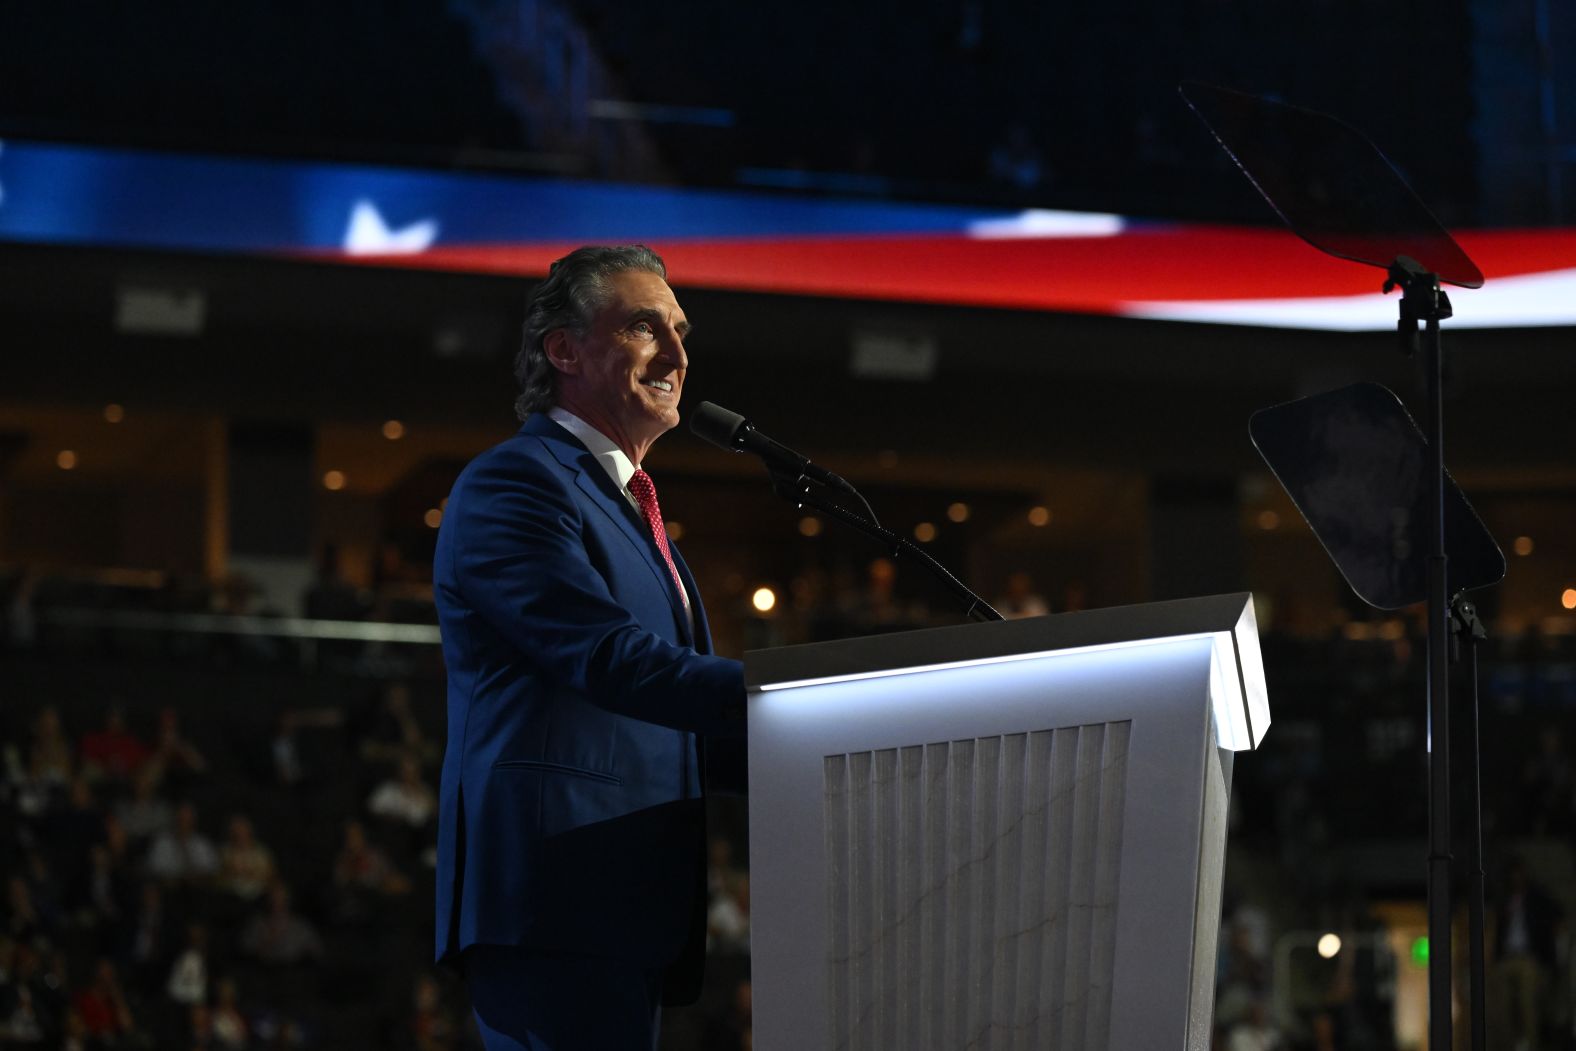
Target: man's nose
column 673, row 351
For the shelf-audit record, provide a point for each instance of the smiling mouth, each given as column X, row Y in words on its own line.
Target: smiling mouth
column 661, row 385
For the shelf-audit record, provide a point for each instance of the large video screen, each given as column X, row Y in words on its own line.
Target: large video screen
column 756, row 241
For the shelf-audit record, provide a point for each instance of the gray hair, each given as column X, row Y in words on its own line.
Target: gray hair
column 575, row 289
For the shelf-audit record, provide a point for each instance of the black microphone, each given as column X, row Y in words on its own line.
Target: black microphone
column 733, row 432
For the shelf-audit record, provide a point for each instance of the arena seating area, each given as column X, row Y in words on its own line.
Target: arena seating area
column 119, row 930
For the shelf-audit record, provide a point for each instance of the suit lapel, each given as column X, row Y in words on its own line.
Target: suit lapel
column 700, row 637
column 595, row 483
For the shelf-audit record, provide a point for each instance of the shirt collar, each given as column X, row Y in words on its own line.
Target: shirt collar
column 607, row 453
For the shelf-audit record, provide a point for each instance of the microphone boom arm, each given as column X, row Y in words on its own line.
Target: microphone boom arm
column 801, row 492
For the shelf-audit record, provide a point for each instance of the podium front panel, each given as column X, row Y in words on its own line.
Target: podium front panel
column 1014, row 853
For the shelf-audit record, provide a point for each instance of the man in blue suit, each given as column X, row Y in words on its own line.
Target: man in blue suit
column 582, row 688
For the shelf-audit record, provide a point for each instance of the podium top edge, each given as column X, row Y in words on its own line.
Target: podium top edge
column 930, row 647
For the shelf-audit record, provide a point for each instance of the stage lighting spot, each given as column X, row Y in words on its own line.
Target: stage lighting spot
column 114, row 413
column 1523, row 545
column 809, row 526
column 925, row 532
column 433, row 518
column 1329, row 945
column 393, row 430
column 958, row 512
column 1268, row 520
column 764, row 600
column 66, row 460
column 1568, row 599
column 1039, row 516
column 334, row 481
column 675, row 530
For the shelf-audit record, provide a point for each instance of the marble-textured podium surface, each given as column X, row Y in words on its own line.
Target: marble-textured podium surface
column 998, row 835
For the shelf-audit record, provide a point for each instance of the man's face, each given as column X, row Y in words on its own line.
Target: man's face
column 625, row 373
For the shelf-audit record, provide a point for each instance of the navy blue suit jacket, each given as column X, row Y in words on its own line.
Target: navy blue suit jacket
column 570, row 814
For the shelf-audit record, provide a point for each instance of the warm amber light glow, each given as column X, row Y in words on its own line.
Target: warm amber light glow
column 393, row 430
column 1039, row 516
column 675, row 530
column 114, row 413
column 887, row 458
column 334, row 480
column 958, row 512
column 809, row 526
column 925, row 532
column 1329, row 945
column 66, row 459
column 1523, row 545
column 764, row 599
column 433, row 518
column 1568, row 600
column 1268, row 520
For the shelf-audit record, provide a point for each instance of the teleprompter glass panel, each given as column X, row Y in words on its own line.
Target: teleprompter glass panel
column 1329, row 183
column 1358, row 468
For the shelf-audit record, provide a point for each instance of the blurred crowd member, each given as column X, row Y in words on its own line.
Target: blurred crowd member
column 24, row 920
column 230, row 1028
column 31, row 993
column 291, row 763
column 107, row 894
column 49, row 753
column 395, row 733
column 188, row 981
column 728, row 917
column 101, row 1003
column 278, row 936
column 151, row 941
column 431, row 1025
column 405, row 797
column 113, row 753
column 284, row 749
column 146, row 814
column 1527, row 924
column 1254, row 1032
column 183, row 854
column 1021, row 599
column 246, row 867
column 21, row 626
column 176, row 756
column 363, row 876
column 72, row 830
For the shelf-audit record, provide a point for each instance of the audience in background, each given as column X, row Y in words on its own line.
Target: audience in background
column 1528, row 929
column 182, row 855
column 102, row 857
column 246, row 867
column 146, row 815
column 113, row 753
column 278, row 936
column 188, row 981
column 404, row 798
column 176, row 756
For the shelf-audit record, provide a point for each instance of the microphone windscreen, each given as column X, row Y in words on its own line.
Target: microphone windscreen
column 717, row 425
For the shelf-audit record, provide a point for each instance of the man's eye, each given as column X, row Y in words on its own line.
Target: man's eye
column 642, row 327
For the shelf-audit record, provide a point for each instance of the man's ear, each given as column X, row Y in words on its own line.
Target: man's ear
column 562, row 352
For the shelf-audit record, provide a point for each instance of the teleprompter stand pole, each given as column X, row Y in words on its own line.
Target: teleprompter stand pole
column 1466, row 632
column 1423, row 300
column 803, row 492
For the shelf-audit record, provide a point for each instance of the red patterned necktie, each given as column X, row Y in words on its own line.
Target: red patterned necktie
column 645, row 494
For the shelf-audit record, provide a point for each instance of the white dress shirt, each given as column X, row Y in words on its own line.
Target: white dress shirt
column 615, row 462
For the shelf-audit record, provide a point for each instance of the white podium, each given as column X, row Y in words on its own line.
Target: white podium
column 996, row 836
